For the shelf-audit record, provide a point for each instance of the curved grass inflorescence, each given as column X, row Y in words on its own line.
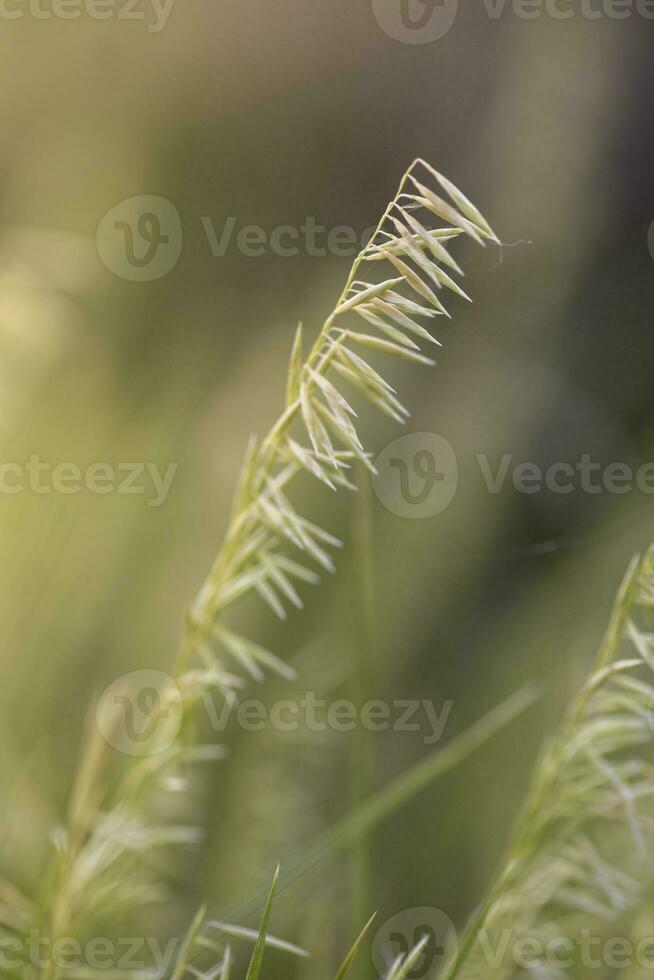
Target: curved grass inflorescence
column 269, row 549
column 581, row 853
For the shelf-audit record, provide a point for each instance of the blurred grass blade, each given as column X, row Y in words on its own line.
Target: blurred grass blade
column 240, row 932
column 399, row 792
column 403, row 789
column 226, row 970
column 254, row 969
column 182, row 964
column 349, row 959
column 402, row 968
column 294, row 369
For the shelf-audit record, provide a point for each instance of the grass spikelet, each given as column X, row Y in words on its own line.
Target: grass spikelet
column 578, row 858
column 268, row 544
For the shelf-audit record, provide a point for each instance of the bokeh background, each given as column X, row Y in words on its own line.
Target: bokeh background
column 270, row 113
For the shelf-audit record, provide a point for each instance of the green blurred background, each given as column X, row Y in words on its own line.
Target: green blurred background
column 272, row 112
